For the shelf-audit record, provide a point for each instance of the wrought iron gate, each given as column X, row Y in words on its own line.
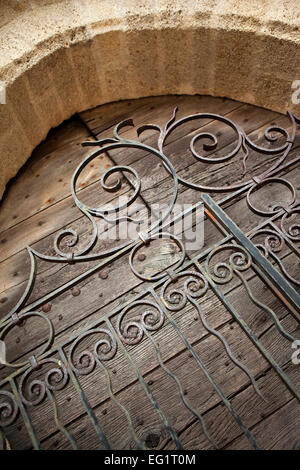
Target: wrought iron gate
column 38, row 380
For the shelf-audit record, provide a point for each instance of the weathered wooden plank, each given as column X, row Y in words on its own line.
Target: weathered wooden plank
column 209, row 351
column 196, row 388
column 126, row 281
column 77, row 315
column 279, row 431
column 67, row 306
column 226, row 431
column 45, row 178
column 93, row 194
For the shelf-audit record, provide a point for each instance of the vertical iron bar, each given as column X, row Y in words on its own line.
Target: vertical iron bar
column 146, row 388
column 206, row 373
column 181, row 391
column 26, row 418
column 85, row 402
column 4, row 442
column 58, row 421
column 139, row 444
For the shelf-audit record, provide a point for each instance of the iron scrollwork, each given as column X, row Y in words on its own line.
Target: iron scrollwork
column 244, row 143
column 150, row 315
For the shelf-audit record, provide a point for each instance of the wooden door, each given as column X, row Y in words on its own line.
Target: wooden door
column 117, row 336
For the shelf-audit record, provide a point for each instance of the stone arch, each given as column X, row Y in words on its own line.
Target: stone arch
column 60, row 57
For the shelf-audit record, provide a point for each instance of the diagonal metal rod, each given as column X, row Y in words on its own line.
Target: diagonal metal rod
column 289, row 384
column 287, row 291
column 85, row 402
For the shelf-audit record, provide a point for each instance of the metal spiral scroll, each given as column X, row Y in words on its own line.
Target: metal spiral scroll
column 8, row 408
column 132, row 331
column 243, row 143
column 239, row 261
column 273, row 243
column 102, row 212
column 103, row 350
column 291, row 229
column 34, row 392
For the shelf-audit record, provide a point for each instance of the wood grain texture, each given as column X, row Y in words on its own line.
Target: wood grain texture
column 38, row 204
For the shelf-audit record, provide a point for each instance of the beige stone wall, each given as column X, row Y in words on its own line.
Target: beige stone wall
column 59, row 57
